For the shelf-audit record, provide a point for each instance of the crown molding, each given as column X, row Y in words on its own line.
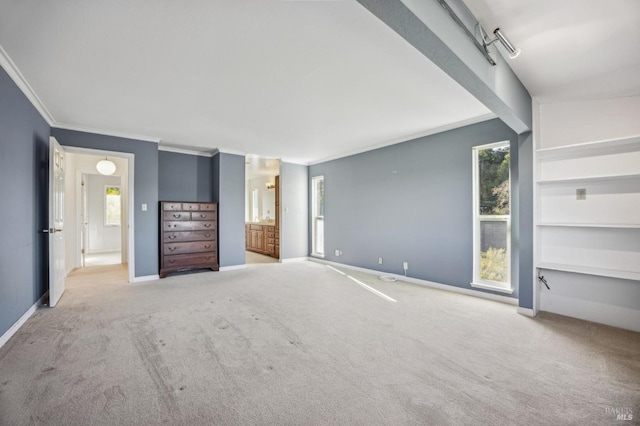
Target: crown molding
column 410, row 137
column 178, row 150
column 17, row 77
column 228, row 151
column 106, row 132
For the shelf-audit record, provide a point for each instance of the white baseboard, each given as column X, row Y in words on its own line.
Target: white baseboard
column 145, row 278
column 102, row 251
column 232, row 268
column 526, row 312
column 16, row 326
column 294, row 259
column 430, row 284
column 603, row 313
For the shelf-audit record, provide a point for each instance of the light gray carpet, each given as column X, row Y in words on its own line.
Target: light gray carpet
column 298, row 343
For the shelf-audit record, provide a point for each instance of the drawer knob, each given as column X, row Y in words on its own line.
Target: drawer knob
column 207, row 235
column 203, row 215
column 172, row 237
column 207, row 246
column 207, row 225
column 172, row 248
column 176, row 215
column 172, row 261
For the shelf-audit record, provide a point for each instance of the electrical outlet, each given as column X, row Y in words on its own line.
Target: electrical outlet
column 581, row 194
column 144, row 207
column 405, row 265
column 338, row 252
column 379, row 261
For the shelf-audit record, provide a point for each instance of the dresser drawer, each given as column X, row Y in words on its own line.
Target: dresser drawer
column 176, row 237
column 208, row 207
column 176, row 215
column 192, row 247
column 199, row 225
column 189, row 260
column 188, row 226
column 171, row 206
column 203, row 216
column 191, row 206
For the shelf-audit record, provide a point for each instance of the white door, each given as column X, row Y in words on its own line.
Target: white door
column 56, row 221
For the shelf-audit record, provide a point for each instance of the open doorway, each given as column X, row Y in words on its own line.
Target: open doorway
column 262, row 205
column 101, row 215
column 98, row 214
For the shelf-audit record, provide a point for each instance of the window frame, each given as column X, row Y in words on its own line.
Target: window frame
column 106, row 196
column 502, row 287
column 316, row 218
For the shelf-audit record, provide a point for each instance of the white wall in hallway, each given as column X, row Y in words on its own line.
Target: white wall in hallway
column 102, row 238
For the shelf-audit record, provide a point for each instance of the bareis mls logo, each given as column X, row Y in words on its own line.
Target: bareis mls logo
column 621, row 413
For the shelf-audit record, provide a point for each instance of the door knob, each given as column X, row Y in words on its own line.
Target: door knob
column 51, row 230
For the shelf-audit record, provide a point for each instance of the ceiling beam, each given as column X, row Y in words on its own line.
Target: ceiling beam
column 428, row 28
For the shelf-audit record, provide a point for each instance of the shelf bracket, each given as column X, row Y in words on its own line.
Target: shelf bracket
column 543, row 281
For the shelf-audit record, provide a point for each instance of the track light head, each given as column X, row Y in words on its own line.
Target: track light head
column 513, row 52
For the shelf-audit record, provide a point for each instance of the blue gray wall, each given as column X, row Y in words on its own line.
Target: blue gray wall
column 525, row 200
column 24, row 187
column 145, row 185
column 228, row 191
column 410, row 202
column 184, row 177
column 294, row 211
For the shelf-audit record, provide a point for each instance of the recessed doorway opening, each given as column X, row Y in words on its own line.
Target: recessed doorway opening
column 98, row 212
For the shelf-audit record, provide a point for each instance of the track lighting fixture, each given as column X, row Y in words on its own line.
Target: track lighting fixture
column 513, row 51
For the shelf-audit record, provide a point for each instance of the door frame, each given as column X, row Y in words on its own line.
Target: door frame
column 130, row 197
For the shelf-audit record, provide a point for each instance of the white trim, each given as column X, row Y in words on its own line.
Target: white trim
column 16, row 325
column 407, row 138
column 204, row 153
column 104, row 132
column 603, row 313
column 17, row 77
column 144, row 278
column 99, row 251
column 232, row 267
column 131, row 247
column 492, row 288
column 294, row 259
column 526, row 312
column 430, row 284
column 478, row 218
column 227, row 151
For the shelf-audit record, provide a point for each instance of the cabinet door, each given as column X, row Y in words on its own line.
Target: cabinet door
column 260, row 240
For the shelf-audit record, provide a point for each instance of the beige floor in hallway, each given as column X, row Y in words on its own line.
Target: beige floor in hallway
column 252, row 258
column 298, row 343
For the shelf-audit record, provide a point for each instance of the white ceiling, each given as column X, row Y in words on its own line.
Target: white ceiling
column 571, row 49
column 298, row 80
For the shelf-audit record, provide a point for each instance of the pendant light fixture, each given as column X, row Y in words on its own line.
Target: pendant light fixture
column 106, row 167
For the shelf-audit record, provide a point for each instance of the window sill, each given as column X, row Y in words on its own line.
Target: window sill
column 492, row 288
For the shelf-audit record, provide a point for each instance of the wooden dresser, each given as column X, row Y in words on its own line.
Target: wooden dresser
column 188, row 236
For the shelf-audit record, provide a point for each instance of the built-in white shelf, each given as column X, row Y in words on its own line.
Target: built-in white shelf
column 604, row 147
column 588, row 179
column 602, row 272
column 591, row 225
column 600, row 235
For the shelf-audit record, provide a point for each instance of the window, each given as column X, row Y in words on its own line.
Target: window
column 317, row 216
column 112, row 209
column 491, row 217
